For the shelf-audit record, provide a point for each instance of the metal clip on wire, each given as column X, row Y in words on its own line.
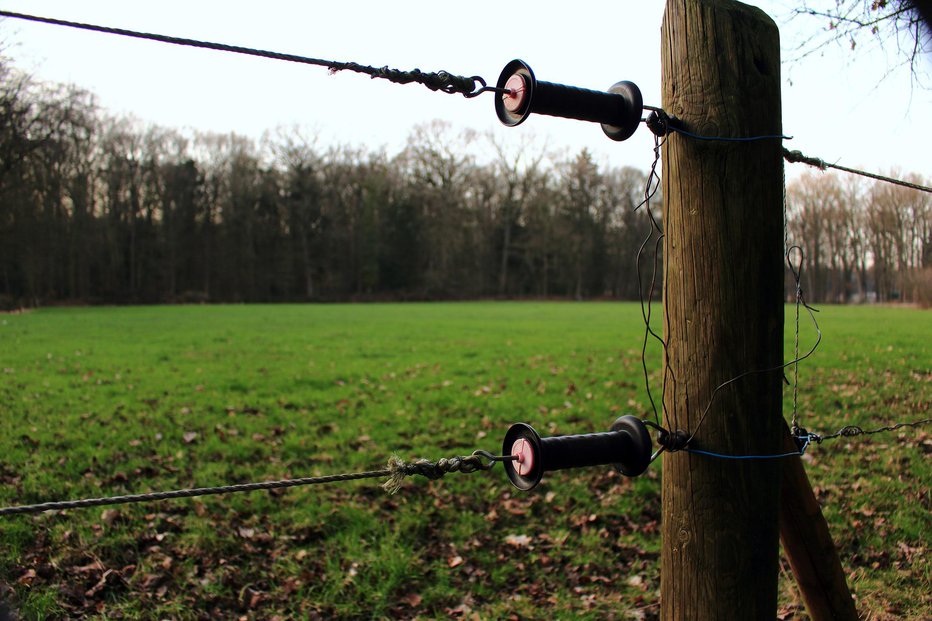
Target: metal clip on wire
column 619, row 110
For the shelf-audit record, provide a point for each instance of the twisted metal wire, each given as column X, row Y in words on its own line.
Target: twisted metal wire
column 440, row 81
column 797, row 157
column 849, row 431
column 662, row 124
column 397, row 471
column 436, row 469
column 800, row 302
column 797, row 280
column 651, row 186
column 188, row 493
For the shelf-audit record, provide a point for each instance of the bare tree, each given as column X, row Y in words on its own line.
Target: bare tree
column 905, row 25
column 45, row 130
column 823, row 220
column 301, row 163
column 520, row 169
column 438, row 162
column 898, row 221
column 628, row 228
column 582, row 215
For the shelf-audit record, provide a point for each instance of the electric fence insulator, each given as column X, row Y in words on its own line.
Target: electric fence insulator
column 627, row 446
column 521, row 94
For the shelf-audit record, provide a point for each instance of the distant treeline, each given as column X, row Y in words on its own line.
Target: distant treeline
column 863, row 242
column 97, row 209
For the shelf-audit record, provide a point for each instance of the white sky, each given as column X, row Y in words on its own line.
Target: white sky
column 836, row 104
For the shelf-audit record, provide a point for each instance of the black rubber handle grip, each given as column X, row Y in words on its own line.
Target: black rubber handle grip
column 570, row 102
column 581, row 451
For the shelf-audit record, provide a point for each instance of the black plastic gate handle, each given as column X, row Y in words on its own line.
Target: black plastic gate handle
column 627, row 446
column 619, row 110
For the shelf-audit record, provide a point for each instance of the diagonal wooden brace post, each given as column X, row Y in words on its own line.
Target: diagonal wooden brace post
column 809, row 547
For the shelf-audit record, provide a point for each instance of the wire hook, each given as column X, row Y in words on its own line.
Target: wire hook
column 485, row 88
column 492, row 459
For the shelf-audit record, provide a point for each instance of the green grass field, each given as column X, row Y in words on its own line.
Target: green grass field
column 104, row 401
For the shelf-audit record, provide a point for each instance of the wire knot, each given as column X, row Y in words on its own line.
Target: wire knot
column 795, row 157
column 850, row 431
column 667, row 440
column 672, row 442
column 434, row 470
column 658, row 122
column 803, row 438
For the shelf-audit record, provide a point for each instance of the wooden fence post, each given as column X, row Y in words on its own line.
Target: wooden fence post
column 723, row 310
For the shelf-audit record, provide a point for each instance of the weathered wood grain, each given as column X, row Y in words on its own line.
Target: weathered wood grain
column 723, row 297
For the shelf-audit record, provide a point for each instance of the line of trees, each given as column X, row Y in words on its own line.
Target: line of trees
column 102, row 209
column 98, row 209
column 862, row 241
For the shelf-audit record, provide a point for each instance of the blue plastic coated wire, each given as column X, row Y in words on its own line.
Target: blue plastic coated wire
column 729, row 139
column 806, row 441
column 720, row 456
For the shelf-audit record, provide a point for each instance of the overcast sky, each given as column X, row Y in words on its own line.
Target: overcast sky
column 837, row 104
